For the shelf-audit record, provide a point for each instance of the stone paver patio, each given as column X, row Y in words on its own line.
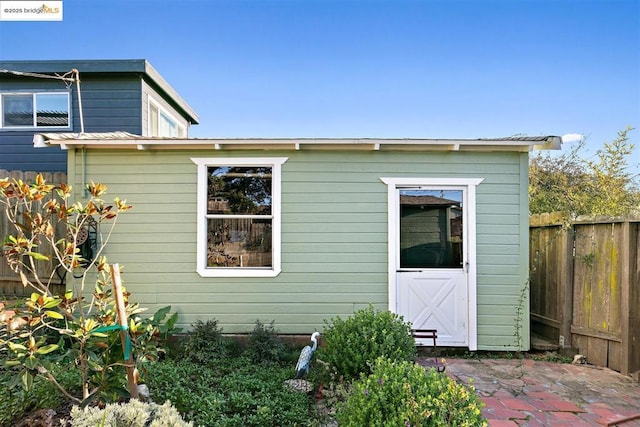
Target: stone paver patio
column 525, row 392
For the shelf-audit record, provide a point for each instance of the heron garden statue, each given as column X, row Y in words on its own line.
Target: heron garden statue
column 302, row 367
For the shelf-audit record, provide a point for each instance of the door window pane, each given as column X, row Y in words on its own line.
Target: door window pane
column 431, row 228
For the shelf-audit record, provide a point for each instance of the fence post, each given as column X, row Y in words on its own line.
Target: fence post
column 565, row 293
column 626, row 334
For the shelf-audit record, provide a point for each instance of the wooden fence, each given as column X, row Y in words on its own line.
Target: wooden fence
column 10, row 285
column 585, row 290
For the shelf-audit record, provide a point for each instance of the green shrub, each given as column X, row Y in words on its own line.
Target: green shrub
column 132, row 414
column 352, row 345
column 264, row 346
column 230, row 392
column 205, row 343
column 405, row 394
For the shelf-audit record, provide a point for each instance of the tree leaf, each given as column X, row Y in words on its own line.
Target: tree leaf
column 31, row 362
column 47, row 349
column 23, row 279
column 94, row 366
column 38, row 256
column 51, row 302
column 54, row 314
column 161, row 313
column 99, row 335
column 27, row 380
column 16, row 347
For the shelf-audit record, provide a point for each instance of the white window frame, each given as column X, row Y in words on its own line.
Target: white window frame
column 201, row 235
column 181, row 130
column 34, row 124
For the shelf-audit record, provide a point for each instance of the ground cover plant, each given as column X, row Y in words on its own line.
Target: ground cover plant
column 16, row 402
column 216, row 382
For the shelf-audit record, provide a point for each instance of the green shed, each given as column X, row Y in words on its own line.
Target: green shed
column 301, row 230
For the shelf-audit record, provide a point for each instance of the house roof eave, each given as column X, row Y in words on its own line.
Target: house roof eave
column 124, row 140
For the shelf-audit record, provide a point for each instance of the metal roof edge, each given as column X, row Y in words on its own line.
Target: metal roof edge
column 157, row 78
column 123, row 139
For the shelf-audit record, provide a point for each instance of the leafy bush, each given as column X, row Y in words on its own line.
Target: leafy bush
column 352, row 345
column 264, row 346
column 132, row 414
column 230, row 392
column 405, row 394
column 205, row 343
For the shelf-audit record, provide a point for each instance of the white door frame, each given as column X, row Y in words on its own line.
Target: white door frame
column 469, row 212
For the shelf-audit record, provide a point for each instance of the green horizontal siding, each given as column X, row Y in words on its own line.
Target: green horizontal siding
column 334, row 235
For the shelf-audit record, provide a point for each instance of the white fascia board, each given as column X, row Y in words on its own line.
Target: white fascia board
column 301, row 143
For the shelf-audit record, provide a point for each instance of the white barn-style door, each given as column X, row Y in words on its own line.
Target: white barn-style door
column 435, row 300
column 432, row 256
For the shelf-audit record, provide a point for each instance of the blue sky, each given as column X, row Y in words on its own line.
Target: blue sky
column 393, row 68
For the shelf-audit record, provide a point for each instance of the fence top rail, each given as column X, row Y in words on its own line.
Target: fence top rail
column 556, row 219
column 51, row 177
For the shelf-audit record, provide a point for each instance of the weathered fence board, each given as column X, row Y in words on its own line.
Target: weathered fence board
column 584, row 288
column 10, row 285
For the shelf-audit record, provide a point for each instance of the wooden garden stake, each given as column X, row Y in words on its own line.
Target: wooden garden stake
column 124, row 332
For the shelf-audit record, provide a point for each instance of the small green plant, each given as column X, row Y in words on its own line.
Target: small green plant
column 205, row 343
column 353, row 344
column 264, row 346
column 551, row 356
column 132, row 414
column 405, row 394
column 588, row 259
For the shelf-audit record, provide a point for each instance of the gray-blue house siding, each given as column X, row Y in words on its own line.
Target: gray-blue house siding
column 115, row 96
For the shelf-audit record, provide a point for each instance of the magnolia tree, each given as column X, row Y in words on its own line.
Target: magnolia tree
column 49, row 332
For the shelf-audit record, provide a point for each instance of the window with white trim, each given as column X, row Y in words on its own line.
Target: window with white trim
column 238, row 217
column 20, row 110
column 163, row 124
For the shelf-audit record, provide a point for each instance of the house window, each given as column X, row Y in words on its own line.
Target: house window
column 35, row 110
column 163, row 124
column 238, row 217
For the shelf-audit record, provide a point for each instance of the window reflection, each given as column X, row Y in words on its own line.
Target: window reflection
column 431, row 229
column 239, row 216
